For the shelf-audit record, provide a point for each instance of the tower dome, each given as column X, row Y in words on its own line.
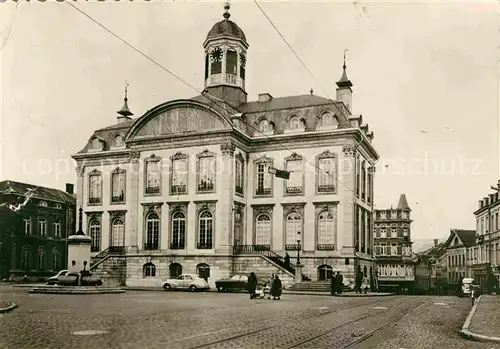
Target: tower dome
column 226, row 29
column 225, row 61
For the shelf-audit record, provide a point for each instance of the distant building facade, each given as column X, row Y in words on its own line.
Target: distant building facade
column 189, row 186
column 458, row 247
column 485, row 255
column 392, row 244
column 34, row 224
column 428, row 270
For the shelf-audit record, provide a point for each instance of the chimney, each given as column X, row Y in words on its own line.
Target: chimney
column 264, row 97
column 436, row 241
column 69, row 188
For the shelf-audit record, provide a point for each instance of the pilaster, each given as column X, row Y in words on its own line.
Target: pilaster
column 223, row 238
column 132, row 225
column 347, row 188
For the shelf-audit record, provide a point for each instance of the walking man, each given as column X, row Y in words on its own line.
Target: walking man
column 340, row 282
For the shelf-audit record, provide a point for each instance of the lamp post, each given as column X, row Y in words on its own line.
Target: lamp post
column 298, row 248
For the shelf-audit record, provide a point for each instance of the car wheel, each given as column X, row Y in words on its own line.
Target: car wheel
column 167, row 288
column 192, row 288
column 219, row 289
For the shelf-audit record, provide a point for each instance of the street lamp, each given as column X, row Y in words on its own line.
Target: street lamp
column 298, row 248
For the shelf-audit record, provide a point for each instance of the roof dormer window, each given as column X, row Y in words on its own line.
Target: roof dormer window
column 294, row 123
column 96, row 144
column 118, row 141
column 265, row 128
column 327, row 120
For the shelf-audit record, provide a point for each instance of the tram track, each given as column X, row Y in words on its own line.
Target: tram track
column 297, row 318
column 358, row 319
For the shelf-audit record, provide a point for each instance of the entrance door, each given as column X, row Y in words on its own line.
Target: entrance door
column 117, row 233
column 325, row 272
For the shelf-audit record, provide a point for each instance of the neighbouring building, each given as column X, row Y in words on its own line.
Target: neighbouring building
column 392, row 244
column 485, row 256
column 34, row 224
column 428, row 271
column 196, row 185
column 457, row 263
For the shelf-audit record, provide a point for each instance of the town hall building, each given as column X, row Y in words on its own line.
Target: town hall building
column 219, row 185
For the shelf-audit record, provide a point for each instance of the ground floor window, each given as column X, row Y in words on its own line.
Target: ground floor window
column 203, row 271
column 325, row 272
column 149, row 270
column 175, row 270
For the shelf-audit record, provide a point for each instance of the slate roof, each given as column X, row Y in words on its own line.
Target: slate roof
column 433, row 253
column 226, row 28
column 288, row 102
column 44, row 193
column 403, row 203
column 468, row 237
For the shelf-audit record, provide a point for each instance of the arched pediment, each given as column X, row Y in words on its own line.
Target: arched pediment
column 178, row 117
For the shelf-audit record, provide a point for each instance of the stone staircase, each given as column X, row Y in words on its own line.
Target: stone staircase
column 111, row 266
column 269, row 255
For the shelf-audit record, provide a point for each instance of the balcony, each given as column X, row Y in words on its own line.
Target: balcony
column 151, row 246
column 263, row 191
column 178, row 245
column 204, row 246
column 118, row 198
column 292, row 247
column 294, row 190
column 178, row 189
column 325, row 247
column 94, row 200
column 326, row 188
column 206, row 186
column 152, row 190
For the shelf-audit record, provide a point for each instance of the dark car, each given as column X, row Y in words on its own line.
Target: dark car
column 71, row 279
column 234, row 283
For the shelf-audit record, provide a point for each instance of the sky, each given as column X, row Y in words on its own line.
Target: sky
column 425, row 78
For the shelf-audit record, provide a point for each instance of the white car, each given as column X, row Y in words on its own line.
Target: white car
column 54, row 280
column 189, row 282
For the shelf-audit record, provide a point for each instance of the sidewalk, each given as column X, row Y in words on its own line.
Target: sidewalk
column 483, row 322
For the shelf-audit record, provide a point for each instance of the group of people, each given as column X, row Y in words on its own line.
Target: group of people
column 337, row 282
column 275, row 286
column 362, row 284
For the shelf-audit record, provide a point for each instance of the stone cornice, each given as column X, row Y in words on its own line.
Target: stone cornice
column 262, row 205
column 177, row 202
column 205, row 201
column 107, row 154
column 319, row 203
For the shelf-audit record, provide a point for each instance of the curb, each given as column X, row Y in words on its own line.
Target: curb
column 9, row 308
column 464, row 332
column 342, row 295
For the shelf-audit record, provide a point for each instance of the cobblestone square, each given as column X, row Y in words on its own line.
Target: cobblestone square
column 211, row 320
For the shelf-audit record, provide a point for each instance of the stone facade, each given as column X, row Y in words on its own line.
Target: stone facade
column 191, row 182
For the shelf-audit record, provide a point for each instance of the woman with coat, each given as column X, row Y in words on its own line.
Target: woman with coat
column 252, row 284
column 365, row 284
column 276, row 288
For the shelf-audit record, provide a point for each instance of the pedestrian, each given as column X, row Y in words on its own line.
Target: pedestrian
column 287, row 261
column 365, row 284
column 339, row 282
column 357, row 285
column 252, row 284
column 276, row 288
column 333, row 285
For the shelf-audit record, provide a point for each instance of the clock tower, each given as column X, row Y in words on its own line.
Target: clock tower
column 225, row 61
column 344, row 91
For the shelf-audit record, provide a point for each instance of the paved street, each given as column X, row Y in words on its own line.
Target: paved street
column 211, row 320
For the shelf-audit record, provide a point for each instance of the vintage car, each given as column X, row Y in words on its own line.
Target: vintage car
column 235, row 283
column 467, row 284
column 189, row 282
column 54, row 280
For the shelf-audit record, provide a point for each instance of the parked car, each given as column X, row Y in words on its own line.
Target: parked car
column 467, row 286
column 235, row 283
column 189, row 282
column 54, row 280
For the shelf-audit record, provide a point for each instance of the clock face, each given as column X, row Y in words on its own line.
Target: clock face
column 216, row 54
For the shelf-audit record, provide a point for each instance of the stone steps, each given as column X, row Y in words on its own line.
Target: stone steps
column 314, row 286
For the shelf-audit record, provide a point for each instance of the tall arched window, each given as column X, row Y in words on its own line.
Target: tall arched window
column 149, row 270
column 293, row 226
column 57, row 228
column 175, row 269
column 117, row 233
column 56, row 259
column 41, row 258
column 95, row 235
column 263, row 230
column 238, row 230
column 326, row 231
column 152, row 231
column 178, row 231
column 26, row 258
column 205, row 233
